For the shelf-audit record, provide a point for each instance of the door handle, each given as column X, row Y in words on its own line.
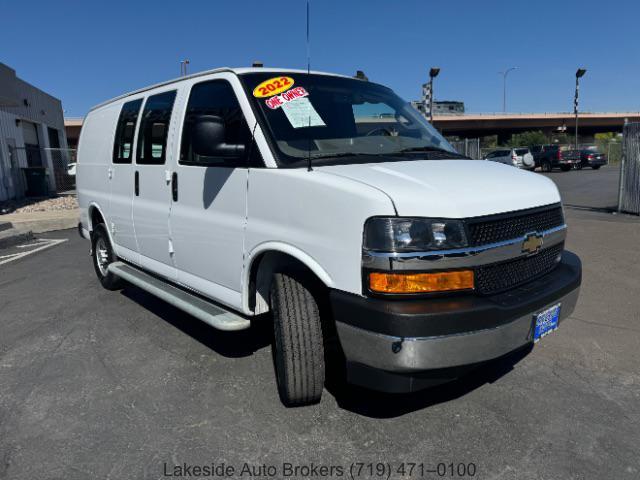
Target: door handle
column 136, row 183
column 110, row 173
column 174, row 186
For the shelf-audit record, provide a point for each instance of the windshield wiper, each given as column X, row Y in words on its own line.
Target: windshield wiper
column 425, row 148
column 337, row 155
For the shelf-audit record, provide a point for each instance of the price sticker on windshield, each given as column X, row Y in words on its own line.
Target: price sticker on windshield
column 273, row 86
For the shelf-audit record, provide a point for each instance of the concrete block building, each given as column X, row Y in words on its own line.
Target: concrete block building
column 32, row 135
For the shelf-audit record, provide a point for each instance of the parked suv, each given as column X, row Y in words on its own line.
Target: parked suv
column 518, row 157
column 548, row 157
column 254, row 195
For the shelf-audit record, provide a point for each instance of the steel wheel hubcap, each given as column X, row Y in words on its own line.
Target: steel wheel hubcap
column 102, row 256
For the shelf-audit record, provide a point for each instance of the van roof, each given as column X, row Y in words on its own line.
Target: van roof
column 237, row 71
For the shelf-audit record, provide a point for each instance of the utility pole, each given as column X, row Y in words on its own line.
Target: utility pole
column 504, row 87
column 579, row 73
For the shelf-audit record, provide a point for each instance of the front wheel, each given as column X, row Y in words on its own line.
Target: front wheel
column 103, row 255
column 596, row 167
column 298, row 348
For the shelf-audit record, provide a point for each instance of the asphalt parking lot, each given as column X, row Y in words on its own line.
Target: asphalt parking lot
column 99, row 384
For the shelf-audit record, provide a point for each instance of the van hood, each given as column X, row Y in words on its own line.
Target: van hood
column 452, row 188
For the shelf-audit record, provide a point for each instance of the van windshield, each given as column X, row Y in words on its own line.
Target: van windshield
column 336, row 120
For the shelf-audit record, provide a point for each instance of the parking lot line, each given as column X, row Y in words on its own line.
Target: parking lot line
column 47, row 244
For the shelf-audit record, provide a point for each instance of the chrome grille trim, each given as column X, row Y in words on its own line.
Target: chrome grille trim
column 459, row 257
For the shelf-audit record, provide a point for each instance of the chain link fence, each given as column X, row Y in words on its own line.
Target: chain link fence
column 629, row 189
column 468, row 146
column 37, row 171
column 63, row 161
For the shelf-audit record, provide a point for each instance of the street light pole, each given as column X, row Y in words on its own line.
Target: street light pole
column 579, row 73
column 433, row 73
column 504, row 87
column 183, row 67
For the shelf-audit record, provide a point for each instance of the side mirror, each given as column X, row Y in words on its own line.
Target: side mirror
column 207, row 138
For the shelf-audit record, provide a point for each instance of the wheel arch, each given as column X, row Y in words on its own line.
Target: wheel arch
column 94, row 214
column 269, row 258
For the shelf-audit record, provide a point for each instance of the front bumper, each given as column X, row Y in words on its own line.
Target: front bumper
column 392, row 345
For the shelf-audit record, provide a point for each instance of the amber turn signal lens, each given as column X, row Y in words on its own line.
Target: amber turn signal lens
column 420, row 282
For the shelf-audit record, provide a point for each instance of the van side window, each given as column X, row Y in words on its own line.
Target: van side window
column 216, row 98
column 154, row 127
column 123, row 143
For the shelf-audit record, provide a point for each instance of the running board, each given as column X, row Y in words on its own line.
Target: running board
column 211, row 314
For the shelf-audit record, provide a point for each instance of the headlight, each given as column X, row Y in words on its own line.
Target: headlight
column 397, row 234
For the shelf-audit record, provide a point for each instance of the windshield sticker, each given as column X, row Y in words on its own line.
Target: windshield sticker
column 289, row 95
column 301, row 113
column 273, row 86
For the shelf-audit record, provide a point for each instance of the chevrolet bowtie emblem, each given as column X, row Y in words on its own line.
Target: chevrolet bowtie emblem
column 532, row 243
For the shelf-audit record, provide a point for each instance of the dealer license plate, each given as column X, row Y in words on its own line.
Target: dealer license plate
column 545, row 322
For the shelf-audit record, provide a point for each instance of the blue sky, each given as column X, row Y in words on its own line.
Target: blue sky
column 86, row 52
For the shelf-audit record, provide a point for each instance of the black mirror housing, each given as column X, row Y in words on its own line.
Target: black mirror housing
column 207, row 138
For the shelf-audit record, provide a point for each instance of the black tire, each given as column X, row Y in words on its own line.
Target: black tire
column 596, row 167
column 298, row 348
column 102, row 255
column 565, row 168
column 546, row 166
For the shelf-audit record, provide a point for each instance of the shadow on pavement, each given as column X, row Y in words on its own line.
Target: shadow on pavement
column 383, row 405
column 349, row 397
column 228, row 344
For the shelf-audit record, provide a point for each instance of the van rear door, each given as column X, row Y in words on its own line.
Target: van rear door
column 152, row 188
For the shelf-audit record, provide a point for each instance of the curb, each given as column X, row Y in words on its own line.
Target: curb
column 42, row 222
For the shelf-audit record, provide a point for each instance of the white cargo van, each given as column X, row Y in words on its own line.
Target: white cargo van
column 331, row 203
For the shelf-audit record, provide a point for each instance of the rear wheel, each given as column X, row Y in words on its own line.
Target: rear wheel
column 102, row 256
column 298, row 341
column 546, row 166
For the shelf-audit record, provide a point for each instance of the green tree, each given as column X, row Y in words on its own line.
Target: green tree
column 527, row 139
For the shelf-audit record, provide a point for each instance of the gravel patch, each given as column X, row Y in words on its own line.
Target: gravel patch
column 40, row 205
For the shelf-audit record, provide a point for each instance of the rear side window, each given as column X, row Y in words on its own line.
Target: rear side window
column 216, row 98
column 522, row 151
column 123, row 143
column 154, row 127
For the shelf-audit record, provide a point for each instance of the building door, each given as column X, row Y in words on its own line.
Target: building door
column 31, row 144
column 152, row 195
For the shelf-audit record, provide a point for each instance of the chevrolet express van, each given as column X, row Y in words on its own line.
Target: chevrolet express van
column 332, row 204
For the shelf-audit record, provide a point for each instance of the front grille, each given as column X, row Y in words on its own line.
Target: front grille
column 499, row 228
column 497, row 277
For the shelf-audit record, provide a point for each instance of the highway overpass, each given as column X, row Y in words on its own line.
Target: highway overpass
column 473, row 125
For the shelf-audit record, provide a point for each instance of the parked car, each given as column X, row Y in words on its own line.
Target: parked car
column 236, row 193
column 592, row 158
column 548, row 157
column 518, row 157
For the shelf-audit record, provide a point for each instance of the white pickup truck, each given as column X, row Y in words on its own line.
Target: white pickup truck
column 331, row 203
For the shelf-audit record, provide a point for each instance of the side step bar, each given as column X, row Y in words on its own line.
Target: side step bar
column 211, row 314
